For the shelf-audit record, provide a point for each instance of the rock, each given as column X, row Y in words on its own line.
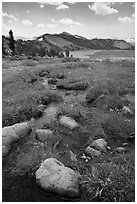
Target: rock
column 125, row 144
column 73, row 156
column 92, row 152
column 22, row 129
column 121, row 149
column 11, row 134
column 131, row 138
column 99, row 144
column 45, row 135
column 126, row 111
column 54, row 176
column 68, row 122
column 5, row 150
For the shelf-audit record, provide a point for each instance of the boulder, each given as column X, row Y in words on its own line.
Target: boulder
column 92, row 152
column 11, row 134
column 54, row 176
column 99, row 144
column 121, row 149
column 22, row 129
column 45, row 135
column 68, row 122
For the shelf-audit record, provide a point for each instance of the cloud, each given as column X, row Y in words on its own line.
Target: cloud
column 125, row 19
column 41, row 6
column 58, row 5
column 9, row 16
column 101, row 8
column 51, row 25
column 62, row 6
column 26, row 22
column 41, row 25
column 66, row 21
column 10, row 21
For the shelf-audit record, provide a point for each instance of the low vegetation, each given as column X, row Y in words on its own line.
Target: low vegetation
column 92, row 93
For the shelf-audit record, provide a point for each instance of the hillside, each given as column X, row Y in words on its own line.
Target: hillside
column 61, row 42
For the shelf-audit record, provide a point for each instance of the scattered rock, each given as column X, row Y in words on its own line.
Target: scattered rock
column 131, row 138
column 11, row 134
column 68, row 122
column 126, row 111
column 92, row 152
column 73, row 156
column 44, row 73
column 121, row 149
column 125, row 144
column 56, row 177
column 46, row 135
column 99, row 144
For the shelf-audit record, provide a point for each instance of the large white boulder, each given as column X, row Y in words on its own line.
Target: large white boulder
column 54, row 176
column 68, row 122
column 99, row 144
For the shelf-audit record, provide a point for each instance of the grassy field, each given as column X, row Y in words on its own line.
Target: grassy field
column 93, row 93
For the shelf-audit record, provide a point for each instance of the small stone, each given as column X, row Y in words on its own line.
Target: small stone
column 73, row 156
column 121, row 149
column 45, row 135
column 68, row 122
column 92, row 152
column 99, row 144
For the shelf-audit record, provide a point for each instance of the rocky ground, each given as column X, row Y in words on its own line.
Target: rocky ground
column 68, row 130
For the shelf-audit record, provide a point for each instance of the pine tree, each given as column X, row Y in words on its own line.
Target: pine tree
column 12, row 42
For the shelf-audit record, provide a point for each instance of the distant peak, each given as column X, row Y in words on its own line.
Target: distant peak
column 65, row 33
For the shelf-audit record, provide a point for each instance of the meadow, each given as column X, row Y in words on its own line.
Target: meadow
column 92, row 91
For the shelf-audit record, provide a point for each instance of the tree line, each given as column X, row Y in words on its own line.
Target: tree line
column 32, row 48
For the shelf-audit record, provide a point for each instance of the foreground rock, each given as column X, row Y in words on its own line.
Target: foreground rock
column 92, row 152
column 99, row 144
column 68, row 122
column 45, row 135
column 121, row 149
column 11, row 134
column 56, row 177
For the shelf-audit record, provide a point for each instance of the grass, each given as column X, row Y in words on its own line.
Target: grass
column 110, row 182
column 118, row 127
column 108, row 178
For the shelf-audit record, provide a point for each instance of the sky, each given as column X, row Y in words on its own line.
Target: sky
column 88, row 19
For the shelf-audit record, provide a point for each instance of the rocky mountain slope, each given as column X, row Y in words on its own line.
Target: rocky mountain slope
column 72, row 42
column 61, row 42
